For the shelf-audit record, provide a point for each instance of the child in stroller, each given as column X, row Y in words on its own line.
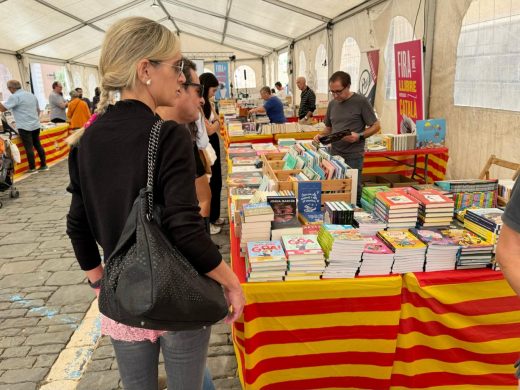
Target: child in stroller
column 7, row 169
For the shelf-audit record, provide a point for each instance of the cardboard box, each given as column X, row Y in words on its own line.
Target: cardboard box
column 396, row 180
column 373, row 181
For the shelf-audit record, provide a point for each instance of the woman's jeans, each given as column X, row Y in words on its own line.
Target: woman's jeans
column 184, row 360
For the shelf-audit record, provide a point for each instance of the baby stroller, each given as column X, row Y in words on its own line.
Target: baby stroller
column 7, row 170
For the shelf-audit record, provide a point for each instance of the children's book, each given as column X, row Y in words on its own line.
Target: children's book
column 431, row 133
column 301, row 244
column 401, row 239
column 309, row 196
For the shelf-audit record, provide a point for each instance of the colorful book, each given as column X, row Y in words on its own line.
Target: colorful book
column 401, row 239
column 309, row 196
column 396, row 200
column 261, row 251
column 431, row 133
column 301, row 244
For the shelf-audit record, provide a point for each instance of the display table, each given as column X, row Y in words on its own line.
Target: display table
column 423, row 163
column 449, row 330
column 458, row 330
column 53, row 142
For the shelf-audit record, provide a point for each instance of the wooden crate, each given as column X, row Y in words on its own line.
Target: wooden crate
column 332, row 190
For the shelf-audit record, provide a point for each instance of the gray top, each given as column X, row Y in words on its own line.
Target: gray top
column 511, row 215
column 56, row 111
column 354, row 114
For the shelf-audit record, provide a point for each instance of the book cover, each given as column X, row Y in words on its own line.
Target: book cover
column 265, row 250
column 431, row 198
column 311, row 218
column 431, row 133
column 465, row 238
column 309, row 196
column 301, row 244
column 396, row 200
column 374, row 245
column 284, row 207
column 244, row 161
column 433, row 237
column 257, row 209
column 401, row 239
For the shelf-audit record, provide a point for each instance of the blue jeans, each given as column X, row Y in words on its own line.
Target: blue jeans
column 184, row 360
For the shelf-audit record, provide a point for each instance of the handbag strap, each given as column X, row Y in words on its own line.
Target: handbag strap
column 153, row 146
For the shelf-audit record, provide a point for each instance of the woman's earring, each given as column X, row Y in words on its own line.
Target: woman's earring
column 149, row 81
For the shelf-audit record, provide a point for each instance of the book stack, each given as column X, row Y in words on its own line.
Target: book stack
column 265, row 261
column 241, row 151
column 304, row 255
column 441, row 254
column 485, row 222
column 377, row 258
column 285, row 219
column 368, row 196
column 397, row 209
column 247, row 161
column 244, row 179
column 409, row 251
column 255, row 223
column 263, row 148
column 343, row 246
column 339, row 213
column 505, row 188
column 234, row 128
column 475, row 251
column 368, row 224
column 435, row 209
column 471, row 192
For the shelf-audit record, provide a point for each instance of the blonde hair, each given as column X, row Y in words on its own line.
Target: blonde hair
column 126, row 43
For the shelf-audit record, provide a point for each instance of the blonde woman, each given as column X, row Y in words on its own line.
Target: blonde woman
column 141, row 60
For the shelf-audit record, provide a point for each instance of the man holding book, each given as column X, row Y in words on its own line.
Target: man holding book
column 273, row 107
column 349, row 111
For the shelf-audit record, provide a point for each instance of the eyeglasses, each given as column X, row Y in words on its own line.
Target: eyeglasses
column 178, row 67
column 336, row 92
column 199, row 87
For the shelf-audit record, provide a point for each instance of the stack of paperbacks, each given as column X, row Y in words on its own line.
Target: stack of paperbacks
column 475, row 251
column 442, row 251
column 264, row 148
column 368, row 224
column 241, row 150
column 255, row 224
column 339, row 213
column 368, row 196
column 285, row 218
column 409, row 250
column 377, row 257
column 265, row 261
column 485, row 222
column 435, row 209
column 244, row 179
column 304, row 255
column 343, row 246
column 397, row 209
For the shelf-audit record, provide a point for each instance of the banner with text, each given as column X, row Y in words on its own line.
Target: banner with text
column 368, row 78
column 409, row 84
column 222, row 75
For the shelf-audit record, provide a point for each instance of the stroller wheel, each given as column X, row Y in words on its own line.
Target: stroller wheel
column 14, row 193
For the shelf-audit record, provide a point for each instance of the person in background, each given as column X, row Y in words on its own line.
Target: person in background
column 508, row 246
column 95, row 99
column 307, row 101
column 352, row 111
column 78, row 112
column 141, row 60
column 26, row 112
column 79, row 90
column 57, row 103
column 212, row 123
column 273, row 107
column 280, row 90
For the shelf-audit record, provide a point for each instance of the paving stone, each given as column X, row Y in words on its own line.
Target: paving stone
column 227, row 384
column 34, row 289
column 53, row 216
column 218, row 339
column 10, row 332
column 48, row 338
column 76, row 308
column 19, row 267
column 12, row 227
column 19, row 237
column 16, row 363
column 100, row 365
column 62, row 328
column 24, row 374
column 34, row 330
column 67, row 295
column 63, row 278
column 27, row 303
column 29, row 279
column 19, row 386
column 56, row 244
column 13, row 313
column 44, row 311
column 104, row 352
column 222, row 366
column 15, row 250
column 107, row 380
column 61, row 319
column 7, row 342
column 39, row 295
column 46, row 349
column 221, row 328
column 56, row 264
column 15, row 352
column 219, row 350
column 46, row 360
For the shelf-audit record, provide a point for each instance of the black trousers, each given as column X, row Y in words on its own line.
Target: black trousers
column 216, row 180
column 58, row 120
column 31, row 139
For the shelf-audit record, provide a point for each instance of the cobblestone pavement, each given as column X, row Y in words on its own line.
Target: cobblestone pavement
column 44, row 298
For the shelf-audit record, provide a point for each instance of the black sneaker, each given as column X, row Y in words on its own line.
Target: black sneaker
column 32, row 170
column 44, row 168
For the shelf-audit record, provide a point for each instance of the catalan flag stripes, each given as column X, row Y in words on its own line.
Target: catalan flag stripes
column 323, row 334
column 458, row 330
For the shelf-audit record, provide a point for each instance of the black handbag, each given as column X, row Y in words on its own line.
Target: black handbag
column 147, row 282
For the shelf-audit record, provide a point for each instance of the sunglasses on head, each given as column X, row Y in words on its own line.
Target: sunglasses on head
column 199, row 87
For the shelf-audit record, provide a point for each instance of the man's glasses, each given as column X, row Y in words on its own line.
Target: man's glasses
column 178, row 67
column 336, row 92
column 199, row 87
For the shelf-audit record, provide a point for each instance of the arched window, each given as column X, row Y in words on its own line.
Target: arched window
column 283, row 75
column 400, row 31
column 302, row 65
column 245, row 77
column 321, row 65
column 5, row 76
column 350, row 61
column 488, row 56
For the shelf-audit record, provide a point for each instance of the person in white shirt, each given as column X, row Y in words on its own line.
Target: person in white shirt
column 280, row 91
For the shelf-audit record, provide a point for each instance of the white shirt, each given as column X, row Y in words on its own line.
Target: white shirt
column 202, row 134
column 281, row 94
